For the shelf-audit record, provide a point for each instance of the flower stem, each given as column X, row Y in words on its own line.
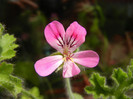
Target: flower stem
column 68, row 88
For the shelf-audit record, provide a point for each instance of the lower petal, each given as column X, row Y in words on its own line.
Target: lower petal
column 47, row 65
column 70, row 69
column 86, row 58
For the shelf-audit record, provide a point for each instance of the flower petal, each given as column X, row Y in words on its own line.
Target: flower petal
column 75, row 35
column 86, row 58
column 54, row 33
column 70, row 69
column 47, row 65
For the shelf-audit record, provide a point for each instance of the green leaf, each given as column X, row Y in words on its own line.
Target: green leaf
column 130, row 69
column 99, row 86
column 9, row 82
column 122, row 96
column 131, row 62
column 6, row 68
column 77, row 96
column 17, row 84
column 121, row 85
column 119, row 76
column 129, row 73
column 7, row 46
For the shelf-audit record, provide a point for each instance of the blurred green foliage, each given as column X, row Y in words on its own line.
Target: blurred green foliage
column 26, row 71
column 8, row 81
column 11, row 83
column 34, row 91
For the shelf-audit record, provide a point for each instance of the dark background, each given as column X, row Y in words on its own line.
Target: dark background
column 109, row 25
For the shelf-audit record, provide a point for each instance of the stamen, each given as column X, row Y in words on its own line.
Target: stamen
column 72, row 60
column 64, row 59
column 68, row 56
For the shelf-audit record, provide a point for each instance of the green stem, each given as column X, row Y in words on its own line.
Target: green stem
column 68, row 88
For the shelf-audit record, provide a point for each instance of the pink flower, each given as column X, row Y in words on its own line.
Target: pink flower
column 66, row 43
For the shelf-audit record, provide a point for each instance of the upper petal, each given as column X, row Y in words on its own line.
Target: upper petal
column 70, row 69
column 47, row 65
column 86, row 58
column 75, row 35
column 54, row 33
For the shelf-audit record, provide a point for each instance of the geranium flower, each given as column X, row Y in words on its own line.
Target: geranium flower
column 66, row 43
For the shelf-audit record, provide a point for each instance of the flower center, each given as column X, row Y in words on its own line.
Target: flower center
column 67, row 55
